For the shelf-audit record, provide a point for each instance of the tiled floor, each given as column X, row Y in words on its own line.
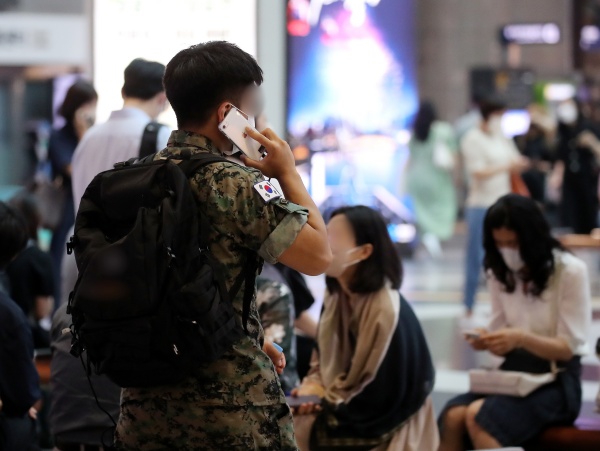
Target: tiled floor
column 434, row 287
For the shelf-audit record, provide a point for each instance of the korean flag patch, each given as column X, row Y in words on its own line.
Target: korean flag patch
column 267, row 191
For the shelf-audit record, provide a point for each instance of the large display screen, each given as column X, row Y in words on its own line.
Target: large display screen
column 352, row 95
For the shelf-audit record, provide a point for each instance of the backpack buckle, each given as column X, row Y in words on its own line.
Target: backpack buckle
column 76, row 348
column 71, row 245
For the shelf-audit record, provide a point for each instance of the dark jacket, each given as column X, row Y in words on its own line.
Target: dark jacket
column 19, row 380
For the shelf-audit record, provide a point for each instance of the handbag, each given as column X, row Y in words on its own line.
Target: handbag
column 509, row 383
column 443, row 157
column 520, row 374
column 51, row 197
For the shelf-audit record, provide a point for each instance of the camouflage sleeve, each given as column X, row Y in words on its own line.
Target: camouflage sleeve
column 276, row 310
column 274, row 302
column 286, row 231
column 268, row 228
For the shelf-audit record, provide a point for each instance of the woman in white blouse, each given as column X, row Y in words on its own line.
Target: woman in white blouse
column 541, row 312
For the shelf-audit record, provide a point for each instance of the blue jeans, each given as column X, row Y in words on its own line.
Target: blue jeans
column 475, row 253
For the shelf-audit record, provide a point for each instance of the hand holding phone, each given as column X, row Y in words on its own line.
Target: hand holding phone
column 234, row 127
column 297, row 401
column 472, row 334
column 279, row 160
column 476, row 338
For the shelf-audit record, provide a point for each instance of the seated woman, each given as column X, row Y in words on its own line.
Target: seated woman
column 31, row 273
column 541, row 312
column 19, row 381
column 373, row 369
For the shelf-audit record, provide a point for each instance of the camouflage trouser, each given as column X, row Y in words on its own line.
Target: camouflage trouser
column 176, row 425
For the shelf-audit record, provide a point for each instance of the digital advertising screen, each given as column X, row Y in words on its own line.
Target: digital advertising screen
column 352, row 95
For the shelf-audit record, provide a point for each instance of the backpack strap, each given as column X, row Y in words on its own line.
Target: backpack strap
column 248, row 274
column 248, row 278
column 149, row 139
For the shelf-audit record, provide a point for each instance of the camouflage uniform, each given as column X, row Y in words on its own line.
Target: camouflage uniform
column 276, row 308
column 237, row 401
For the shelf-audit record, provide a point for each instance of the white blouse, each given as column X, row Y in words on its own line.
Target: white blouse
column 569, row 286
column 482, row 151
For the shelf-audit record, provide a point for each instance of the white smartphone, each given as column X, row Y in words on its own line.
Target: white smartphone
column 471, row 334
column 233, row 126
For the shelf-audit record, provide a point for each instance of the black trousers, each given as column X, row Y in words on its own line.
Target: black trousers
column 18, row 434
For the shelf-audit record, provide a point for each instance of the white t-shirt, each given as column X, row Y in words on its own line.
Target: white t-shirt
column 116, row 140
column 569, row 285
column 482, row 151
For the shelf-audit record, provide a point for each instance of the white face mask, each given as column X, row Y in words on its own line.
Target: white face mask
column 567, row 113
column 340, row 262
column 495, row 125
column 512, row 258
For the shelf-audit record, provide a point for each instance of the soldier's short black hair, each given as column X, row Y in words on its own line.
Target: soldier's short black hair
column 202, row 76
column 13, row 234
column 143, row 79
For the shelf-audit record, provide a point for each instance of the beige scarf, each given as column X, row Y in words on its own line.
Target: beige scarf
column 354, row 335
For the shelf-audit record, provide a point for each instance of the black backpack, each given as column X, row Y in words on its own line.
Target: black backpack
column 150, row 305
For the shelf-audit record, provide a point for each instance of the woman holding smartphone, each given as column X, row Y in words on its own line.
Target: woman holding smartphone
column 373, row 369
column 541, row 312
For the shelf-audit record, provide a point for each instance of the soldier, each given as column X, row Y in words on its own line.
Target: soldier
column 275, row 303
column 235, row 402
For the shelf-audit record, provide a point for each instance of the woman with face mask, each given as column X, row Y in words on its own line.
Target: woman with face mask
column 489, row 158
column 576, row 171
column 541, row 312
column 372, row 367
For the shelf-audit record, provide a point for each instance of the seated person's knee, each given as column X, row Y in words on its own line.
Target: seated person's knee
column 471, row 412
column 455, row 417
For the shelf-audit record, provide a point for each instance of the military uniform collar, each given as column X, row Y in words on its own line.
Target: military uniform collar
column 194, row 142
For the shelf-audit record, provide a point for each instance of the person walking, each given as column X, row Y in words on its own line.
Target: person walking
column 429, row 173
column 489, row 159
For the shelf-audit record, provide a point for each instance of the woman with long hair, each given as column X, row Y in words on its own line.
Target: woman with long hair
column 429, row 177
column 372, row 368
column 541, row 313
column 79, row 112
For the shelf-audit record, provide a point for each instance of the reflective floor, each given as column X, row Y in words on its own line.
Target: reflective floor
column 434, row 288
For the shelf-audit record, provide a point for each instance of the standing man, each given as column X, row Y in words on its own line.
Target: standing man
column 235, row 402
column 489, row 159
column 120, row 138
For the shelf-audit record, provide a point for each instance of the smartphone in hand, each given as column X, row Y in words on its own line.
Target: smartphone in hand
column 297, row 401
column 234, row 128
column 472, row 334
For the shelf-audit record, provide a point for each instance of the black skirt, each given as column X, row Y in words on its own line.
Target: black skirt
column 515, row 421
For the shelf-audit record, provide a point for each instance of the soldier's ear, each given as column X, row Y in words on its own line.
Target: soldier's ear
column 223, row 110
